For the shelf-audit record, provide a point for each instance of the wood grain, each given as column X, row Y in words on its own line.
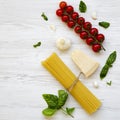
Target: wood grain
column 22, row 78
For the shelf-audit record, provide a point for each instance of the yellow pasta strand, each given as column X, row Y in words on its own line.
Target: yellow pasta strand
column 66, row 77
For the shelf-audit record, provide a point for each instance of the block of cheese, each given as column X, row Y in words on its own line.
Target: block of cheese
column 86, row 64
column 66, row 77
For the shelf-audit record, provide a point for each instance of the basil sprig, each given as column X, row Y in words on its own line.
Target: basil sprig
column 111, row 59
column 55, row 103
column 82, row 7
column 104, row 24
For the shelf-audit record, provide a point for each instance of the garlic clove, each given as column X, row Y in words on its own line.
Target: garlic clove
column 63, row 43
column 95, row 84
column 94, row 15
column 52, row 27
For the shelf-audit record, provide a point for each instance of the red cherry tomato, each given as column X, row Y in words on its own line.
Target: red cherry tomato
column 59, row 12
column 69, row 9
column 63, row 5
column 71, row 24
column 84, row 35
column 96, row 47
column 78, row 29
column 90, row 40
column 87, row 25
column 74, row 15
column 100, row 37
column 65, row 18
column 81, row 21
column 94, row 31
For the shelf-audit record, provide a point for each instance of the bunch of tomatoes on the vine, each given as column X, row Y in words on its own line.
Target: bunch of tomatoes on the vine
column 80, row 26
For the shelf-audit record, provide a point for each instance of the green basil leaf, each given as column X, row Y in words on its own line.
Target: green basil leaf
column 82, row 7
column 109, row 83
column 52, row 100
column 62, row 98
column 104, row 71
column 49, row 111
column 44, row 16
column 104, row 24
column 70, row 110
column 111, row 59
column 37, row 44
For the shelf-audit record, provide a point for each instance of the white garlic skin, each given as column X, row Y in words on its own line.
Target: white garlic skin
column 94, row 16
column 63, row 43
column 95, row 84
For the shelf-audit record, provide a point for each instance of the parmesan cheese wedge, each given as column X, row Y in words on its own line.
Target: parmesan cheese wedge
column 86, row 64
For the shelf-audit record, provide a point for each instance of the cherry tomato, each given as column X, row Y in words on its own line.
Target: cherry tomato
column 94, row 31
column 59, row 12
column 87, row 25
column 100, row 37
column 96, row 47
column 81, row 21
column 74, row 15
column 84, row 35
column 71, row 24
column 78, row 29
column 69, row 9
column 63, row 5
column 65, row 18
column 90, row 40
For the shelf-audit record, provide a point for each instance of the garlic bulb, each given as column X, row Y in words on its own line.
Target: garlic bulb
column 63, row 43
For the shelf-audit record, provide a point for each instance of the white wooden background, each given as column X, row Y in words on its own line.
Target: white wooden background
column 22, row 78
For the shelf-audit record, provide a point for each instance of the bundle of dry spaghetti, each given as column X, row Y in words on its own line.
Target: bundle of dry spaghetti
column 66, row 77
